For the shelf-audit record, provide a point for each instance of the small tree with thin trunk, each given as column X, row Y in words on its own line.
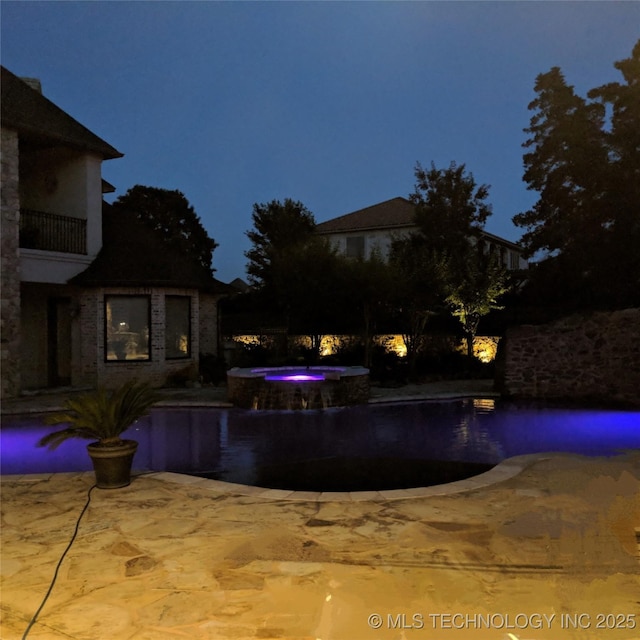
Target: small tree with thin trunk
column 475, row 282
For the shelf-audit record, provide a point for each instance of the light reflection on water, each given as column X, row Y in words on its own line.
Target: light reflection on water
column 200, row 440
column 294, row 377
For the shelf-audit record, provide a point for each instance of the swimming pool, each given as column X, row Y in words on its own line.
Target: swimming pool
column 383, row 446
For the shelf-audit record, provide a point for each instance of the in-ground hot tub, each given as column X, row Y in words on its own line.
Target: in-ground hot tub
column 297, row 387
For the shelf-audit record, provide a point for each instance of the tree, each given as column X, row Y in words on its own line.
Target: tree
column 368, row 285
column 419, row 273
column 622, row 139
column 450, row 207
column 292, row 268
column 278, row 228
column 583, row 159
column 169, row 214
column 620, row 242
column 444, row 265
column 565, row 164
column 308, row 287
column 476, row 280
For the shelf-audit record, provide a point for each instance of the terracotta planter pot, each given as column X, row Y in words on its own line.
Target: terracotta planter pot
column 112, row 464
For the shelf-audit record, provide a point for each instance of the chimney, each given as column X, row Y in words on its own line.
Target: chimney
column 34, row 83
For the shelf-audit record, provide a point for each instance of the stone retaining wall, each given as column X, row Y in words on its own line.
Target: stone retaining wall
column 346, row 387
column 593, row 356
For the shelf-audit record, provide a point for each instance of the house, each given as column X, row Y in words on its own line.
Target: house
column 85, row 299
column 360, row 233
column 239, row 285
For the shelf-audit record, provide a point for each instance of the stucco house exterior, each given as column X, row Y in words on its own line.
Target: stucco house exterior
column 360, row 233
column 76, row 308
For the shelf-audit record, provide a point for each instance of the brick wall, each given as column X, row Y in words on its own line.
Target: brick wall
column 95, row 370
column 86, row 369
column 208, row 324
column 584, row 357
column 10, row 267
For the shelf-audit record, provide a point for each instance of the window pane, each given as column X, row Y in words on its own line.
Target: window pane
column 127, row 327
column 355, row 247
column 178, row 327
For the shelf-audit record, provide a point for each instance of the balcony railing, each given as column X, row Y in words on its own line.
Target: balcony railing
column 52, row 232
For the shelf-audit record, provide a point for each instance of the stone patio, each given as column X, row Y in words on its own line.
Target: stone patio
column 542, row 547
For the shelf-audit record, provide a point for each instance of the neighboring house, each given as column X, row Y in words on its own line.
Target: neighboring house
column 374, row 228
column 83, row 303
column 239, row 285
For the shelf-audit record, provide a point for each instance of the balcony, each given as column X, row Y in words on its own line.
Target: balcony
column 52, row 232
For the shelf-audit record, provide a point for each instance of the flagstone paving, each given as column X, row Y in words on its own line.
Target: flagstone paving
column 540, row 548
column 193, row 558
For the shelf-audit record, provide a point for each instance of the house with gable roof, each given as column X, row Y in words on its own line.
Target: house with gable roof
column 87, row 299
column 374, row 228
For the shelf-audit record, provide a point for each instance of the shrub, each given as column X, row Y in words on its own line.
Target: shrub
column 213, row 368
column 181, row 377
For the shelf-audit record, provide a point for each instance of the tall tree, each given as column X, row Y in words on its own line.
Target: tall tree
column 307, row 288
column 565, row 162
column 583, row 159
column 444, row 265
column 420, row 276
column 450, row 206
column 170, row 215
column 279, row 227
column 294, row 270
column 368, row 286
column 622, row 139
column 621, row 237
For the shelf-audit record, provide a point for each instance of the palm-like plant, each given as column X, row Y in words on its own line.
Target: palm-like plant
column 101, row 415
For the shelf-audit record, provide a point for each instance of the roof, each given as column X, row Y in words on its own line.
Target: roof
column 36, row 118
column 391, row 214
column 397, row 212
column 500, row 240
column 240, row 285
column 107, row 187
column 132, row 255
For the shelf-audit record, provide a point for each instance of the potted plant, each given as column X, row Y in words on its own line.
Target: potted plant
column 103, row 416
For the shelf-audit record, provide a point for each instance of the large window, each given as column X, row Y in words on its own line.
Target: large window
column 178, row 327
column 355, row 247
column 127, row 328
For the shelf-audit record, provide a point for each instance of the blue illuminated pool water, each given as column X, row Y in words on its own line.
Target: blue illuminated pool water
column 246, row 446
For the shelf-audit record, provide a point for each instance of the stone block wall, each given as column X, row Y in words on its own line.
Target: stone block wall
column 10, row 267
column 340, row 387
column 594, row 357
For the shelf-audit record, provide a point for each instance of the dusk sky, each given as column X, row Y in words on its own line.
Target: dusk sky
column 328, row 103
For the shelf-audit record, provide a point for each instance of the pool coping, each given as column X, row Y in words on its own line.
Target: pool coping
column 194, row 403
column 505, row 470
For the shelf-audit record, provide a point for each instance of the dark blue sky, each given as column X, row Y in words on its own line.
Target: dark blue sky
column 329, row 103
